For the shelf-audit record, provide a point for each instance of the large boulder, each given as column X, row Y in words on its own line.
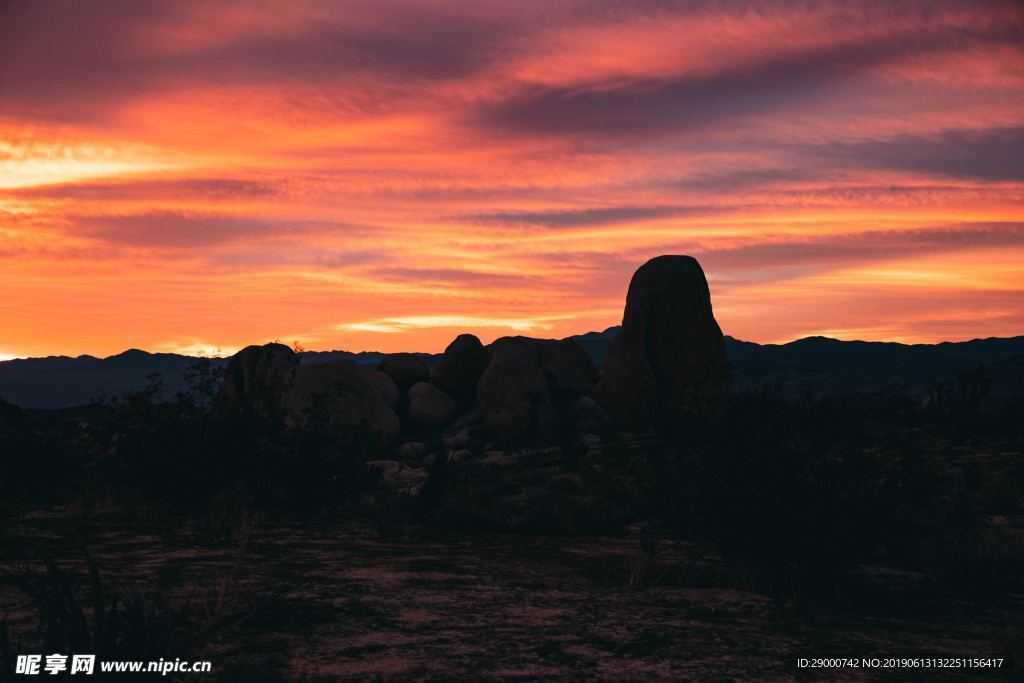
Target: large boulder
column 429, row 407
column 382, row 384
column 459, row 369
column 513, row 390
column 668, row 357
column 530, row 386
column 255, row 377
column 567, row 366
column 405, row 369
column 338, row 395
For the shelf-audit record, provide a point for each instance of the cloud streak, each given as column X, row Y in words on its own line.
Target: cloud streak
column 696, row 102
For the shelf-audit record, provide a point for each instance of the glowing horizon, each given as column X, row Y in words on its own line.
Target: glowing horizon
column 384, row 176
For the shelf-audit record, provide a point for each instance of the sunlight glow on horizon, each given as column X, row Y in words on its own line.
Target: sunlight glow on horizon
column 469, row 323
column 40, row 165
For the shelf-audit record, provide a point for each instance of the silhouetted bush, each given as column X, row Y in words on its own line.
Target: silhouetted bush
column 183, row 454
column 794, row 493
column 76, row 609
column 72, row 618
column 31, row 457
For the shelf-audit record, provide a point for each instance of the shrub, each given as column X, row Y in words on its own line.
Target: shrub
column 30, row 457
column 795, row 492
column 112, row 625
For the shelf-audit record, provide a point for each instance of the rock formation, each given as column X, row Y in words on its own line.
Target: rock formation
column 669, row 355
column 567, row 367
column 255, row 379
column 668, row 358
column 269, row 382
column 429, row 407
column 529, row 383
column 383, row 384
column 459, row 369
column 338, row 395
column 405, row 368
column 513, row 390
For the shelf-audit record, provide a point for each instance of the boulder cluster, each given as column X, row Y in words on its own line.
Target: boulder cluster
column 269, row 382
column 667, row 359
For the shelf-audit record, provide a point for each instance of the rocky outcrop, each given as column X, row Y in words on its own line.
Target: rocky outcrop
column 667, row 359
column 429, row 407
column 529, row 384
column 269, row 382
column 669, row 355
column 255, row 379
column 338, row 395
column 459, row 369
column 405, row 369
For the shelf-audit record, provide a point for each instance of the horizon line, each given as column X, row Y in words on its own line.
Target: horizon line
column 300, row 350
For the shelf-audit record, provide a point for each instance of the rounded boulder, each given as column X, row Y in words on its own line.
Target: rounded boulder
column 430, row 407
column 338, row 396
column 513, row 390
column 255, row 379
column 405, row 369
column 459, row 369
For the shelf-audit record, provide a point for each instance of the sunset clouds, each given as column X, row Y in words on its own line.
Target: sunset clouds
column 384, row 175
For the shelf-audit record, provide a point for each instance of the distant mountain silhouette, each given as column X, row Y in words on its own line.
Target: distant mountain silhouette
column 64, row 381
column 816, row 364
column 829, row 366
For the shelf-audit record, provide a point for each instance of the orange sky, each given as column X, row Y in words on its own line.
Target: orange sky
column 197, row 176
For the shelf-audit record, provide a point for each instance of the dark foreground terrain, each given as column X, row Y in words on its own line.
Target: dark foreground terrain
column 346, row 601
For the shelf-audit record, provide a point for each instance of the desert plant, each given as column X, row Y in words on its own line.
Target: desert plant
column 113, row 625
column 790, row 492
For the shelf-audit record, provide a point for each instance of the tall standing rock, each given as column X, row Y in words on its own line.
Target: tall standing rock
column 668, row 357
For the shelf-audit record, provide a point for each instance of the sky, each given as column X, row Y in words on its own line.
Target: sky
column 196, row 176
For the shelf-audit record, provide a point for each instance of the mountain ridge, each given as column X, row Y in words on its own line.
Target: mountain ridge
column 821, row 365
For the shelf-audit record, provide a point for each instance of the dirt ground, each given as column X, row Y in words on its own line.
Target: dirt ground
column 345, row 601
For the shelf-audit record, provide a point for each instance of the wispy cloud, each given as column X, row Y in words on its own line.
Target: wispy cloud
column 407, row 323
